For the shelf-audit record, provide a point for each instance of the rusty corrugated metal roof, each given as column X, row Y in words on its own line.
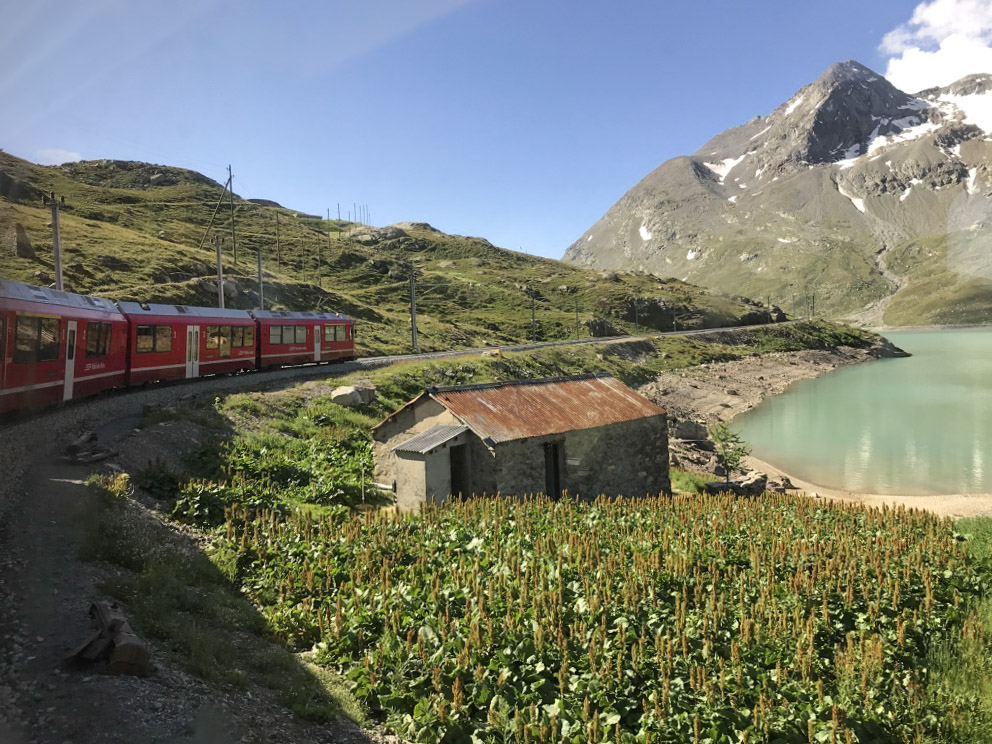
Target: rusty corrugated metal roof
column 502, row 412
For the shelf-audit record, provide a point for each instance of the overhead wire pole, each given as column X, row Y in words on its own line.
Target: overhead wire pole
column 533, row 318
column 413, row 309
column 57, row 239
column 218, row 242
column 261, row 286
column 234, row 240
column 214, row 215
column 278, row 246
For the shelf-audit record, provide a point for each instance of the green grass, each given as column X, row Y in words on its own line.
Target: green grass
column 472, row 293
column 688, row 482
column 947, row 282
column 178, row 596
column 963, row 663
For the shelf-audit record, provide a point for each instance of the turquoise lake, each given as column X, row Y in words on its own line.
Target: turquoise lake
column 917, row 425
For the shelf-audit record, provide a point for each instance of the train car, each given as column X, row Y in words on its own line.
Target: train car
column 57, row 346
column 286, row 337
column 175, row 342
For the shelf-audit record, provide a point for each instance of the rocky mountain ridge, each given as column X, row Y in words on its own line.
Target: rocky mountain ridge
column 851, row 191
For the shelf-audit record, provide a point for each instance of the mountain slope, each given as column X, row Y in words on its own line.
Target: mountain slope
column 133, row 231
column 851, row 191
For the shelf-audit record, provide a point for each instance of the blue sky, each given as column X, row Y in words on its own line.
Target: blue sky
column 521, row 122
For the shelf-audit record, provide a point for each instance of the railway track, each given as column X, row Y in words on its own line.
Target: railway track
column 122, row 402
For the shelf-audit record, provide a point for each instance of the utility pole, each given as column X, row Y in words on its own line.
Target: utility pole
column 216, row 208
column 218, row 242
column 339, row 211
column 278, row 246
column 234, row 240
column 576, row 318
column 533, row 318
column 56, row 238
column 637, row 323
column 413, row 309
column 261, row 286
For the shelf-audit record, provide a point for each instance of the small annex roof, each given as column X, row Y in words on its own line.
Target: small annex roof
column 182, row 311
column 296, row 315
column 431, row 439
column 11, row 290
column 505, row 411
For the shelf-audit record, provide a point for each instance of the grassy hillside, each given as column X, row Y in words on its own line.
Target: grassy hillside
column 125, row 238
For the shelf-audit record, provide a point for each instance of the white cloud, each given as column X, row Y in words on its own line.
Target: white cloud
column 56, row 156
column 943, row 41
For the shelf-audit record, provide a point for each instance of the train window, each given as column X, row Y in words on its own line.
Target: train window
column 340, row 333
column 146, row 339
column 213, row 337
column 237, row 337
column 36, row 340
column 225, row 341
column 275, row 334
column 250, row 336
column 328, row 334
column 26, row 340
column 349, row 333
column 163, row 338
column 288, row 334
column 301, row 334
column 98, row 337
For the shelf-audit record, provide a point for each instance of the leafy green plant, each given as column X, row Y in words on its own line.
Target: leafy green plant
column 731, row 449
column 158, row 481
column 708, row 618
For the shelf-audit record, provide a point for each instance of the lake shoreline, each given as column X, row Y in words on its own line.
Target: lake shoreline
column 724, row 390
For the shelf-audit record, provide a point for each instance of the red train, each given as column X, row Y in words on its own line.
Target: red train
column 57, row 346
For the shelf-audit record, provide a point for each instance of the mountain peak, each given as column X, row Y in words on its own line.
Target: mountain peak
column 848, row 71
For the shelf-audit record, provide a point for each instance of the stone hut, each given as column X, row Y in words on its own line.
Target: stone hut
column 585, row 436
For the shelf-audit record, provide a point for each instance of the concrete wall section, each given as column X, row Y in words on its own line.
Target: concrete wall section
column 410, row 478
column 403, row 426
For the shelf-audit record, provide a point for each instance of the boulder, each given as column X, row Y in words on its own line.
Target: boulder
column 353, row 395
column 753, row 483
column 231, row 289
column 156, row 179
column 19, row 243
column 366, row 391
column 688, row 429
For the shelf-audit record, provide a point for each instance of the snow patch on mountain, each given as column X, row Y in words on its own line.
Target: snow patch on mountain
column 732, row 199
column 724, row 167
column 977, row 109
column 858, row 203
column 972, row 172
column 794, row 105
column 644, row 233
column 691, row 255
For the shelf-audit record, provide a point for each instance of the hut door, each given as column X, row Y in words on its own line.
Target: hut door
column 459, row 470
column 552, row 469
column 70, row 359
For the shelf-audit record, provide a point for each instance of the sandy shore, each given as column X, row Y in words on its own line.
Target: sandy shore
column 721, row 391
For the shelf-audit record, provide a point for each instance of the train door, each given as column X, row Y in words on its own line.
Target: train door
column 192, row 351
column 316, row 343
column 70, row 359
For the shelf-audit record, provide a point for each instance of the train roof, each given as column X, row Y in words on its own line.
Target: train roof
column 11, row 290
column 296, row 315
column 181, row 311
